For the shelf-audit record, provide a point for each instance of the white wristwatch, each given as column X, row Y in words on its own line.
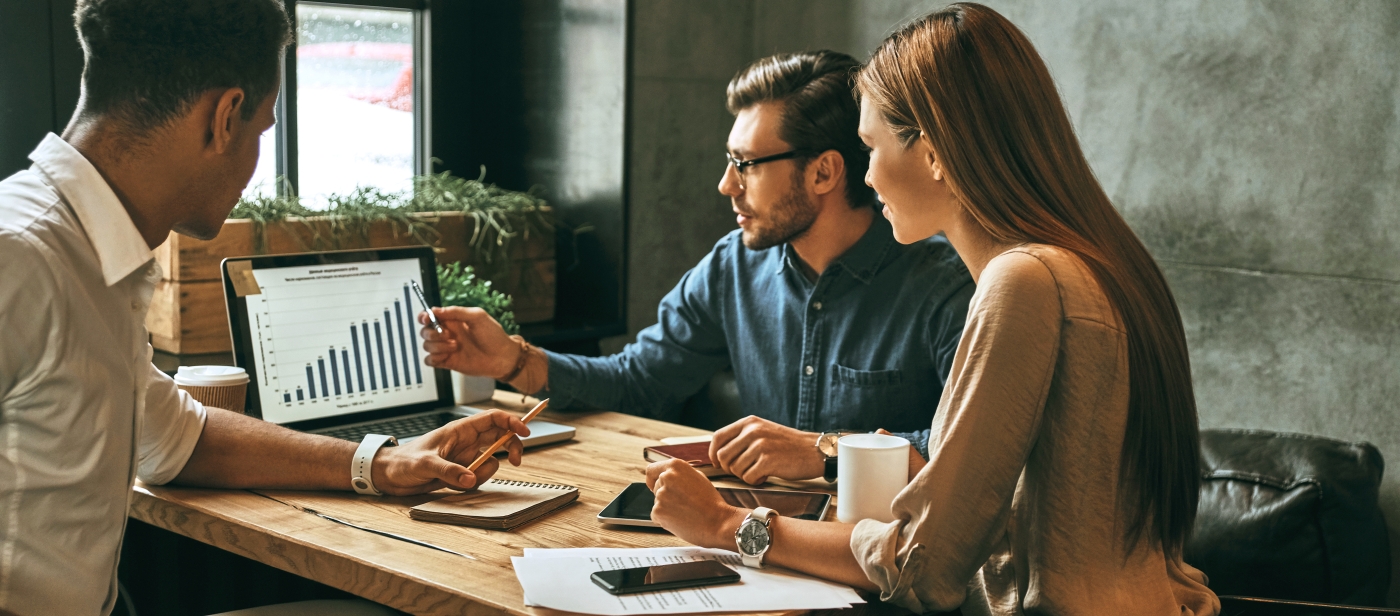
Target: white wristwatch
column 754, row 537
column 361, row 475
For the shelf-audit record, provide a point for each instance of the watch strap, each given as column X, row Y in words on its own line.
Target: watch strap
column 764, row 514
column 829, row 471
column 362, row 465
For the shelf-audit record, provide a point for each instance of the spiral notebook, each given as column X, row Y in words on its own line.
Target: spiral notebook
column 498, row 504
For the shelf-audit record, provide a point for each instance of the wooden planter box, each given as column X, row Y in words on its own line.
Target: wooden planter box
column 188, row 316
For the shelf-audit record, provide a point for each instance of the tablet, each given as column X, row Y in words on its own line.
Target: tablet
column 633, row 506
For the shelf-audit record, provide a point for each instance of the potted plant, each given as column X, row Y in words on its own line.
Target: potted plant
column 459, row 286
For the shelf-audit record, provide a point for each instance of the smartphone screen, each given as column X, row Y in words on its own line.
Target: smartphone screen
column 662, row 577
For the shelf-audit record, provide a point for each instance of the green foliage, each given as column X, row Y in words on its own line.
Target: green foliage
column 500, row 215
column 270, row 209
column 459, row 286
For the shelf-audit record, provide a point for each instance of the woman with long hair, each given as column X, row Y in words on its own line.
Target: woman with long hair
column 1063, row 471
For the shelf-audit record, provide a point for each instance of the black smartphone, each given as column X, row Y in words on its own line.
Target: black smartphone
column 664, row 577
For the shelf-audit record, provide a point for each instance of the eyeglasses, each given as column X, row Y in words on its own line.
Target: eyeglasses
column 741, row 165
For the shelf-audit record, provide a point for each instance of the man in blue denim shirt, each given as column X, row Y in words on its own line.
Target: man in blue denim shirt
column 828, row 322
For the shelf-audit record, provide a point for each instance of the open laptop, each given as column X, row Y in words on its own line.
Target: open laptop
column 331, row 345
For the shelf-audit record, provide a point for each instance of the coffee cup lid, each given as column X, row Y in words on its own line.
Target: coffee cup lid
column 207, row 376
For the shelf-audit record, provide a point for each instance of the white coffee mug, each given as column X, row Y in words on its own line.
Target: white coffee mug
column 870, row 470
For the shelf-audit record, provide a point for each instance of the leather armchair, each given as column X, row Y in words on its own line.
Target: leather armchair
column 1254, row 606
column 1290, row 517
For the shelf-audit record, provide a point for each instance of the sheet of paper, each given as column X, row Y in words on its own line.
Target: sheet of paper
column 559, row 579
column 692, row 553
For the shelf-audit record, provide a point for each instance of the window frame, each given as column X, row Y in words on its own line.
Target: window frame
column 286, row 165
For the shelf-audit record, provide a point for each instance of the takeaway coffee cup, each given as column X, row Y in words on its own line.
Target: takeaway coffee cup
column 870, row 470
column 224, row 387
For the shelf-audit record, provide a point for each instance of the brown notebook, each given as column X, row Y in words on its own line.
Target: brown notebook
column 697, row 454
column 498, row 504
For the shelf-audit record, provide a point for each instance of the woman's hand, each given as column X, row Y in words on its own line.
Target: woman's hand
column 439, row 458
column 688, row 505
column 471, row 343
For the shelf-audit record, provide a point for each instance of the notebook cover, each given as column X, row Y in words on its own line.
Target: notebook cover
column 697, row 454
column 496, row 504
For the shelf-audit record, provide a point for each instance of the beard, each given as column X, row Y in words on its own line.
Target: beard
column 787, row 220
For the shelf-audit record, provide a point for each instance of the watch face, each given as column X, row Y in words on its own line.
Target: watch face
column 753, row 538
column 827, row 445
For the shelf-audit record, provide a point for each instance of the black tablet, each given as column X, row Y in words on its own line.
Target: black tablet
column 633, row 506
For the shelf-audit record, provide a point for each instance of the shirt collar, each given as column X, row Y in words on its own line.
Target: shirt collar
column 863, row 259
column 119, row 245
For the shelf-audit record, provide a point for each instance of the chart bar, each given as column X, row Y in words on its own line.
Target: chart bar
column 288, row 398
column 369, row 355
column 335, row 372
column 359, row 368
column 417, row 370
column 345, row 358
column 325, row 391
column 379, row 345
column 393, row 355
column 310, row 382
column 299, row 396
column 403, row 342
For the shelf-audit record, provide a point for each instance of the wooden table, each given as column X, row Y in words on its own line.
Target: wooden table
column 604, row 457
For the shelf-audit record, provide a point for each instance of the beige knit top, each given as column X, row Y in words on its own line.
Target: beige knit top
column 1016, row 511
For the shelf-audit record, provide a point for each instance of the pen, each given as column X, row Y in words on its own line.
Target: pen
column 496, row 446
column 423, row 300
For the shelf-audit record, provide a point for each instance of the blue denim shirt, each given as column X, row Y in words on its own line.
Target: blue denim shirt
column 867, row 345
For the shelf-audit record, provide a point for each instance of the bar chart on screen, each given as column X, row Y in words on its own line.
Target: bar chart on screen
column 335, row 339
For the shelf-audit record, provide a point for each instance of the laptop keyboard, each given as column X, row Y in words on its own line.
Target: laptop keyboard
column 399, row 427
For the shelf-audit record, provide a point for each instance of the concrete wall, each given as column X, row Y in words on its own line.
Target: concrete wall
column 1254, row 146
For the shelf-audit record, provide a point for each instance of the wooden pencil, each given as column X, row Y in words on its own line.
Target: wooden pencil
column 500, row 442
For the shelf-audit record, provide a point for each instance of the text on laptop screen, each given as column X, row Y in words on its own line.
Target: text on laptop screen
column 335, row 339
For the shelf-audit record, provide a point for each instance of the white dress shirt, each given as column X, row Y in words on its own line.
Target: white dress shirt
column 82, row 409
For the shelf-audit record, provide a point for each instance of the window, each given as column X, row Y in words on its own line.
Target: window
column 356, row 105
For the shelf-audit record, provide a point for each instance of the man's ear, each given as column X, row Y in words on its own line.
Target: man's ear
column 829, row 169
column 227, row 120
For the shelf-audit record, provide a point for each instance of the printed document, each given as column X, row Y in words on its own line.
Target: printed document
column 559, row 579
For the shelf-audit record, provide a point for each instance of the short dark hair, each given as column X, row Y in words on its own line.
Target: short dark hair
column 148, row 61
column 819, row 111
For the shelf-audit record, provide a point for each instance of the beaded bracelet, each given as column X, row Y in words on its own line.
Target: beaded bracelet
column 520, row 362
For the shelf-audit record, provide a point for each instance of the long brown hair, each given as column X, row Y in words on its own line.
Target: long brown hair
column 971, row 83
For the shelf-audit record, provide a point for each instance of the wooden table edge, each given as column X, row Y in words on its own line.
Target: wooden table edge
column 309, row 560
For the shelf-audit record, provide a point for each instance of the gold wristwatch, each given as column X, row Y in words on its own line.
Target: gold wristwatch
column 826, row 444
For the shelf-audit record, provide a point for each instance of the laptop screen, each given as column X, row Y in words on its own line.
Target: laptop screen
column 333, row 337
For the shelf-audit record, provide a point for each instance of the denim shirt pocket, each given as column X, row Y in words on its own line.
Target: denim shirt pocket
column 864, row 400
column 867, row 378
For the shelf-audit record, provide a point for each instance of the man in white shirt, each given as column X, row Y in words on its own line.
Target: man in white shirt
column 175, row 96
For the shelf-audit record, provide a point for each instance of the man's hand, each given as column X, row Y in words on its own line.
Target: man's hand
column 439, row 458
column 916, row 459
column 754, row 449
column 471, row 343
column 688, row 505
